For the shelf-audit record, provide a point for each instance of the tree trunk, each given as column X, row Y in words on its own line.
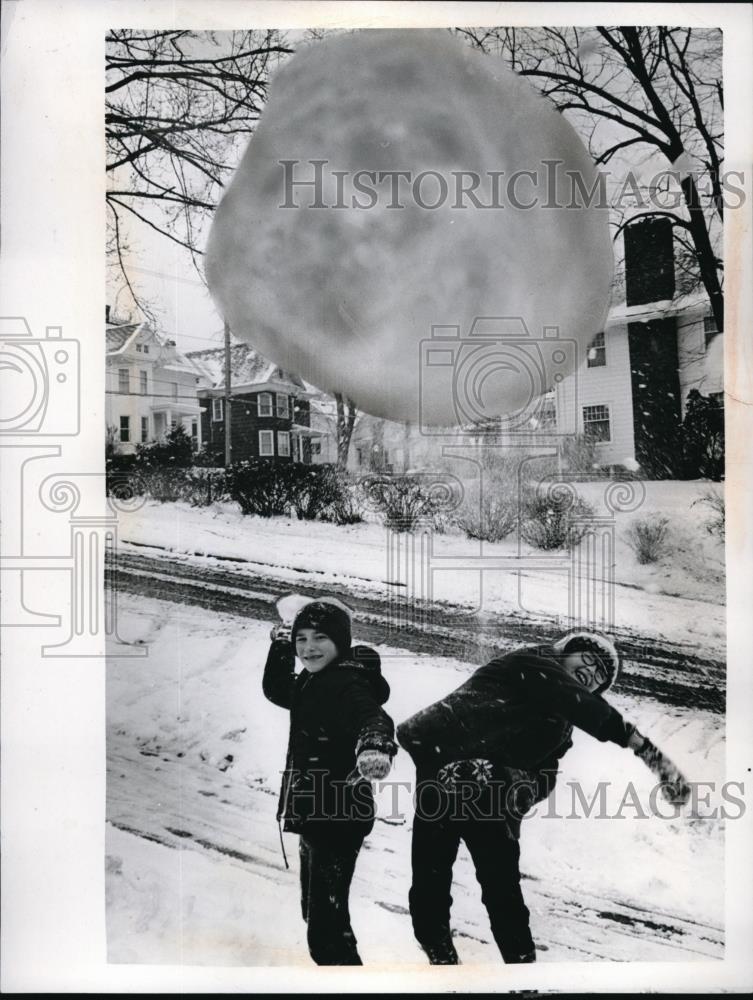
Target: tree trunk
column 704, row 250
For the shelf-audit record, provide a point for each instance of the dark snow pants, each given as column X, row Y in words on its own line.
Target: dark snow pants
column 328, row 856
column 495, row 853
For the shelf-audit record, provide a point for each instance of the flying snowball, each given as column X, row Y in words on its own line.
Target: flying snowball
column 414, row 226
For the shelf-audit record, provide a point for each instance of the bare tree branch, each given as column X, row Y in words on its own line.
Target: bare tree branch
column 180, row 105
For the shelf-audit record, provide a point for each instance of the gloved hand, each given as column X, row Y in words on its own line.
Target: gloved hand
column 476, row 769
column 283, row 631
column 674, row 787
column 373, row 764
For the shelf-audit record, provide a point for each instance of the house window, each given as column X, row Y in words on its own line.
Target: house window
column 596, row 423
column 359, row 456
column 146, row 348
column 217, row 409
column 125, row 429
column 195, row 433
column 144, row 429
column 316, row 447
column 139, row 348
column 283, row 408
column 597, row 352
column 124, row 381
column 265, row 404
column 266, row 443
column 143, row 383
column 710, row 329
column 283, row 443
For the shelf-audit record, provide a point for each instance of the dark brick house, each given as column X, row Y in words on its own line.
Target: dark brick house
column 270, row 415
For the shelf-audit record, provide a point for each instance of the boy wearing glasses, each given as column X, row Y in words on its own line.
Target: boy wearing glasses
column 484, row 755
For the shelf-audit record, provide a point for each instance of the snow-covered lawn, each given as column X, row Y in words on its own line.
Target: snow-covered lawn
column 194, row 754
column 680, row 598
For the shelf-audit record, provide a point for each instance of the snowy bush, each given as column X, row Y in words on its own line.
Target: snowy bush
column 703, row 436
column 164, row 485
column 314, row 489
column 555, row 519
column 203, row 487
column 175, row 450
column 648, row 537
column 262, row 487
column 716, row 523
column 346, row 506
column 405, row 501
column 491, row 517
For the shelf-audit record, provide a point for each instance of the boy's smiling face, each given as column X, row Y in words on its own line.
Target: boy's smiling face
column 314, row 649
column 586, row 668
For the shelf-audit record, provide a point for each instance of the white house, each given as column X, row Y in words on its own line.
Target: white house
column 629, row 393
column 149, row 387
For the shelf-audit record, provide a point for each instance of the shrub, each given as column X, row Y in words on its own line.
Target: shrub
column 555, row 519
column 174, row 451
column 703, row 436
column 648, row 537
column 164, row 485
column 346, row 503
column 489, row 518
column 578, row 452
column 314, row 489
column 716, row 523
column 404, row 501
column 202, row 487
column 122, row 477
column 262, row 487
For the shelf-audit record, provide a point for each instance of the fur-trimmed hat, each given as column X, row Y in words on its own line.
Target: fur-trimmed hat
column 600, row 646
column 327, row 615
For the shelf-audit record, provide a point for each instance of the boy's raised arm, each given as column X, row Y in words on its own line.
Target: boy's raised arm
column 279, row 671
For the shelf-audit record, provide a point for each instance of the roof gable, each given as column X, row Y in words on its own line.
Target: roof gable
column 247, row 367
column 118, row 336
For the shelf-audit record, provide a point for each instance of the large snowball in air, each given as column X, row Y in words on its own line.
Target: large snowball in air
column 414, row 226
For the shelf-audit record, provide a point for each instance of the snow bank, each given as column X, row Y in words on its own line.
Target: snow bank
column 679, row 599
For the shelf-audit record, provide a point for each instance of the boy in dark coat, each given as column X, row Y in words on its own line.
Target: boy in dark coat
column 484, row 755
column 340, row 740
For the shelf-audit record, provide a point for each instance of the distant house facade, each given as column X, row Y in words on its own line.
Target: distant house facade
column 149, row 387
column 629, row 393
column 270, row 413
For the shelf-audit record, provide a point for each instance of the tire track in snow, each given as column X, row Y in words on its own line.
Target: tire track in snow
column 667, row 672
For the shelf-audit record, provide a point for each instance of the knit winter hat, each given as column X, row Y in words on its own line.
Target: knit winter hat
column 326, row 615
column 600, row 646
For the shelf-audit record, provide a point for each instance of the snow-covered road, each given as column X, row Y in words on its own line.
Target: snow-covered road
column 195, row 872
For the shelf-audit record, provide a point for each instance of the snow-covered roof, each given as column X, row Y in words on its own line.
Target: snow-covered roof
column 247, row 367
column 119, row 335
column 622, row 313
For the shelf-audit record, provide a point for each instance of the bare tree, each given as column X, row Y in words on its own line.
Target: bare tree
column 659, row 88
column 179, row 106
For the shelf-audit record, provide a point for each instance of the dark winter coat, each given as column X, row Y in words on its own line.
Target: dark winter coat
column 334, row 714
column 518, row 711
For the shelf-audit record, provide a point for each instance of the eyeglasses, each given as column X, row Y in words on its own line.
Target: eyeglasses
column 599, row 672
